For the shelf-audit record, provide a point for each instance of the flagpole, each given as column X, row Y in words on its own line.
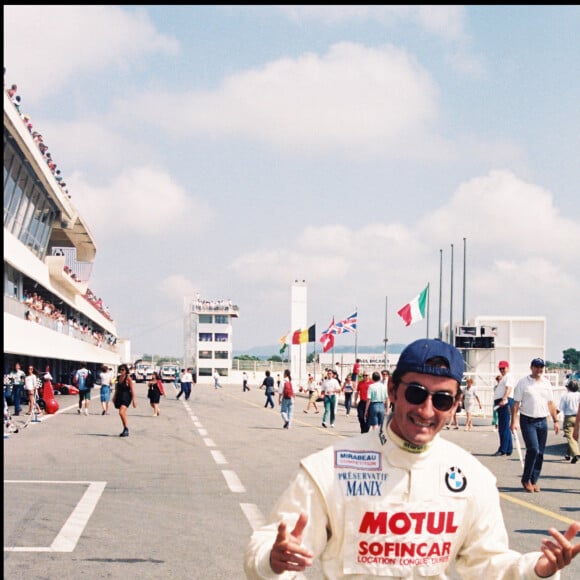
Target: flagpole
column 356, row 335
column 464, row 276
column 440, row 288
column 332, row 364
column 385, row 339
column 300, row 367
column 428, row 303
column 451, row 301
column 314, row 360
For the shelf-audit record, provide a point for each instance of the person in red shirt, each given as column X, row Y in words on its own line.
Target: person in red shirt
column 360, row 401
column 355, row 371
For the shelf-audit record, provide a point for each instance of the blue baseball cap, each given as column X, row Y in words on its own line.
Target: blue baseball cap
column 538, row 362
column 415, row 356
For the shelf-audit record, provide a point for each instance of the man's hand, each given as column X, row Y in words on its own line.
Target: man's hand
column 558, row 551
column 287, row 552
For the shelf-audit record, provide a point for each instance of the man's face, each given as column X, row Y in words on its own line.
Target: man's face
column 503, row 370
column 537, row 371
column 418, row 424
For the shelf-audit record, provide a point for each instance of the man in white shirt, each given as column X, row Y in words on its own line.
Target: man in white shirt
column 534, row 400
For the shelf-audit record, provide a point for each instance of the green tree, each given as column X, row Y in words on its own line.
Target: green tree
column 276, row 358
column 571, row 358
column 312, row 357
column 246, row 357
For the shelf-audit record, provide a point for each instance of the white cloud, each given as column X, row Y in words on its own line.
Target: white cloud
column 506, row 214
column 176, row 287
column 447, row 22
column 521, row 258
column 143, row 201
column 350, row 98
column 75, row 39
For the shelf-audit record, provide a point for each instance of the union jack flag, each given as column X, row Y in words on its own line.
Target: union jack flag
column 346, row 325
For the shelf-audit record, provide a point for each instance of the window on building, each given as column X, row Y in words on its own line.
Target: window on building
column 205, row 372
column 205, row 354
column 221, row 319
column 221, row 336
column 223, row 354
column 205, row 318
column 205, row 337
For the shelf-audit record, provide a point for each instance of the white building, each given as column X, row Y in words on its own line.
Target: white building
column 298, row 320
column 50, row 315
column 208, row 335
column 486, row 340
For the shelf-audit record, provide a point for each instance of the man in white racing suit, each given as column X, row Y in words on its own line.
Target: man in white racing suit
column 401, row 502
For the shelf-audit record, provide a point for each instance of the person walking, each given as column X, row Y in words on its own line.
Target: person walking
column 124, row 397
column 330, row 389
column 186, row 380
column 312, row 395
column 83, row 384
column 453, row 419
column 179, row 381
column 245, row 386
column 534, row 401
column 348, row 391
column 385, row 374
column 286, row 400
column 155, row 391
column 425, row 508
column 569, row 403
column 30, row 386
column 216, row 379
column 361, row 396
column 377, row 402
column 268, row 385
column 105, row 379
column 503, row 403
column 354, row 375
column 16, row 378
column 469, row 399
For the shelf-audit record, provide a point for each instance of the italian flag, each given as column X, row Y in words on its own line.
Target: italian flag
column 285, row 341
column 415, row 310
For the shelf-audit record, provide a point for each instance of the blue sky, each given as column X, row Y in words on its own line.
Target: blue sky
column 229, row 150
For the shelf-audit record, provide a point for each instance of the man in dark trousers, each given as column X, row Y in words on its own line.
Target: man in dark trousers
column 268, row 385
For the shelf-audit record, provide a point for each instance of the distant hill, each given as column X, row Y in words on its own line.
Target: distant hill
column 265, row 352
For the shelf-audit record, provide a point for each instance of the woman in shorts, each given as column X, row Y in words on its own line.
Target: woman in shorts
column 124, row 396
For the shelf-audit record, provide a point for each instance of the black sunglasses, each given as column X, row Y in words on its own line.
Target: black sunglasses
column 417, row 394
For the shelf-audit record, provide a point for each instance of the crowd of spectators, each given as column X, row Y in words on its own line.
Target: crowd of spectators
column 199, row 304
column 39, row 140
column 40, row 310
column 98, row 304
column 36, row 136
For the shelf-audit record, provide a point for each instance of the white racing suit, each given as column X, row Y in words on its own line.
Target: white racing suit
column 377, row 506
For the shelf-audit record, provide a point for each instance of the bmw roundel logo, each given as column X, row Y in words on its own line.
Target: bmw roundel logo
column 455, row 480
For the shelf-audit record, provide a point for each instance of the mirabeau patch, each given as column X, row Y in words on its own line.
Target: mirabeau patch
column 367, row 460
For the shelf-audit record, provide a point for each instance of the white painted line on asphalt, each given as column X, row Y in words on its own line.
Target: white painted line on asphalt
column 202, row 432
column 233, row 482
column 218, row 457
column 209, row 442
column 69, row 535
column 253, row 515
